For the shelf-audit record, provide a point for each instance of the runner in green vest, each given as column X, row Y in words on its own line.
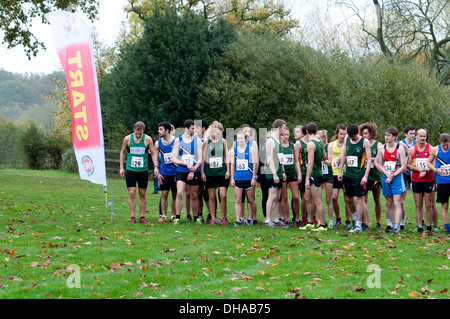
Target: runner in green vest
column 275, row 175
column 355, row 153
column 369, row 131
column 313, row 180
column 292, row 170
column 137, row 145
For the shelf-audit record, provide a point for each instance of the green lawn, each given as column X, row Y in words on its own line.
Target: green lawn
column 57, row 241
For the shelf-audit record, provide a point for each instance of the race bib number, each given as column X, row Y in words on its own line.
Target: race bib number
column 352, row 161
column 288, row 159
column 215, row 162
column 446, row 168
column 421, row 162
column 168, row 158
column 390, row 166
column 188, row 159
column 324, row 168
column 137, row 162
column 241, row 164
column 336, row 162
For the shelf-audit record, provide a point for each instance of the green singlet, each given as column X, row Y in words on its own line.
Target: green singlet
column 215, row 160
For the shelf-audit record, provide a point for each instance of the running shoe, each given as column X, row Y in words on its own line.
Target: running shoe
column 279, row 224
column 188, row 218
column 320, row 228
column 143, row 220
column 238, row 223
column 388, row 229
column 176, row 222
column 435, row 228
column 198, row 221
column 347, row 224
column 315, row 221
column 337, row 223
column 255, row 221
column 356, row 230
column 133, row 220
column 378, row 225
column 223, row 221
column 208, row 218
column 213, row 222
column 395, row 231
column 162, row 219
column 200, row 218
column 307, row 226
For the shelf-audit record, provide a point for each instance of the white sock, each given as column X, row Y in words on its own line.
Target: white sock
column 354, row 216
column 389, row 223
column 402, row 222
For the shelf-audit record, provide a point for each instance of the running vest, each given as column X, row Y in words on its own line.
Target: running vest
column 327, row 171
column 407, row 172
column 165, row 158
column 443, row 161
column 276, row 161
column 188, row 153
column 318, row 155
column 137, row 157
column 243, row 166
column 336, row 154
column 215, row 158
column 374, row 174
column 391, row 161
column 420, row 159
column 303, row 158
column 355, row 159
column 286, row 156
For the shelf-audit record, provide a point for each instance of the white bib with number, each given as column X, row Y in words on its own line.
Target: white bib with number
column 446, row 168
column 168, row 158
column 352, row 161
column 324, row 168
column 288, row 159
column 215, row 162
column 421, row 162
column 137, row 162
column 336, row 162
column 390, row 166
column 187, row 159
column 241, row 164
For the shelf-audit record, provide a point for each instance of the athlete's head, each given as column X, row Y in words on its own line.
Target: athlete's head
column 323, row 134
column 311, row 128
column 410, row 132
column 352, row 131
column 368, row 130
column 340, row 133
column 421, row 136
column 298, row 132
column 285, row 135
column 164, row 128
column 279, row 125
column 189, row 126
column 444, row 139
column 390, row 134
column 240, row 137
column 138, row 129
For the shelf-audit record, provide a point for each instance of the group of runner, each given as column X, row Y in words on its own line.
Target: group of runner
column 198, row 166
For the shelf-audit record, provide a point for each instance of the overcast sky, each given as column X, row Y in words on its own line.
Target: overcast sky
column 108, row 25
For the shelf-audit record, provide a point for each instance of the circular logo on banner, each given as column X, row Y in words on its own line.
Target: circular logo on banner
column 88, row 165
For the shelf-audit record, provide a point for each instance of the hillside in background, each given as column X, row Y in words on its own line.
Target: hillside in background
column 21, row 97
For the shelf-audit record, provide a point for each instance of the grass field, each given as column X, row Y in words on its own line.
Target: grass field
column 57, row 241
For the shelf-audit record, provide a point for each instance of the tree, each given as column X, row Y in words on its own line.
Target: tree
column 412, row 30
column 256, row 15
column 16, row 19
column 158, row 76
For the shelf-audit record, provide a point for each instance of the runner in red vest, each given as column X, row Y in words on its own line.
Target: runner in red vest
column 422, row 179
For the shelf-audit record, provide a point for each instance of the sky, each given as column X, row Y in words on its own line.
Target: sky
column 108, row 25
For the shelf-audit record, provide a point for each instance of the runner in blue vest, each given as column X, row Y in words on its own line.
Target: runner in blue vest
column 137, row 145
column 187, row 154
column 439, row 163
column 167, row 170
